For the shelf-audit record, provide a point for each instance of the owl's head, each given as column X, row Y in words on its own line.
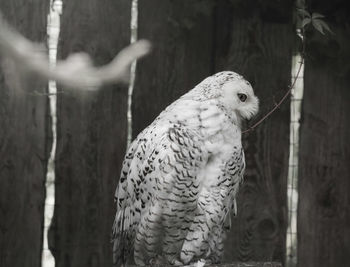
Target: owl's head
column 233, row 92
column 237, row 95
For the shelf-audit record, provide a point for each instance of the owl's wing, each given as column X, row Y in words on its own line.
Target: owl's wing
column 123, row 220
column 215, row 204
column 161, row 166
column 235, row 168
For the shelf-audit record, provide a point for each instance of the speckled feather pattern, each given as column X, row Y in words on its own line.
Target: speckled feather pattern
column 179, row 181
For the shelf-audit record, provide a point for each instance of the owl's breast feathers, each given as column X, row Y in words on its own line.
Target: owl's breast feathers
column 178, row 183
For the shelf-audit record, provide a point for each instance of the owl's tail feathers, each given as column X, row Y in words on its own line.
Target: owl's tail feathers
column 119, row 259
column 121, row 239
column 121, row 250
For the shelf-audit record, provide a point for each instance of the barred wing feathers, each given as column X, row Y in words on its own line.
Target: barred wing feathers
column 159, row 183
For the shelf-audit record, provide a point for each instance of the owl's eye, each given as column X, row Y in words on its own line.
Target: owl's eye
column 242, row 97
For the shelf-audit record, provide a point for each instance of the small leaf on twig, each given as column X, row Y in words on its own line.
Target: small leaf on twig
column 316, row 19
column 316, row 23
column 321, row 26
column 325, row 26
column 305, row 22
column 317, row 15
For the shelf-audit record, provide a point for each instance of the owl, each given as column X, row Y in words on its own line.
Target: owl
column 181, row 175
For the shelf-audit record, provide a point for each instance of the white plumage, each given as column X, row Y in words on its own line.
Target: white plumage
column 181, row 175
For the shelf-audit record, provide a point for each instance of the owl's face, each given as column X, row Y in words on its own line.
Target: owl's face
column 239, row 97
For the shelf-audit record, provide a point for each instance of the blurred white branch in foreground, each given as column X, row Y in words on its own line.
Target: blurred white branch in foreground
column 77, row 71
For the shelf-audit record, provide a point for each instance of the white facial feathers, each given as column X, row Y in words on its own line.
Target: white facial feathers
column 232, row 91
column 239, row 97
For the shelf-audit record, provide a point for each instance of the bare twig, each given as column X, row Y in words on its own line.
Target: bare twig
column 277, row 105
column 77, row 71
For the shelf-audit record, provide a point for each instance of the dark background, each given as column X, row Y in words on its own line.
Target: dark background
column 192, row 39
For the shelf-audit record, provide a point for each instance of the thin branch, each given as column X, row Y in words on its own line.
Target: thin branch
column 77, row 71
column 277, row 105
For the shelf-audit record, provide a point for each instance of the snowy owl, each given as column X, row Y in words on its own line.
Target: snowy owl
column 181, row 175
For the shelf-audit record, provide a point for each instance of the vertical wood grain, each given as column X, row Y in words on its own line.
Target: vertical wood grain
column 92, row 130
column 324, row 170
column 256, row 40
column 181, row 32
column 23, row 144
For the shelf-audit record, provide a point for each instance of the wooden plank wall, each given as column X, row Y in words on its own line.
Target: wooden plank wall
column 192, row 40
column 91, row 137
column 324, row 170
column 256, row 40
column 23, row 145
column 181, row 32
